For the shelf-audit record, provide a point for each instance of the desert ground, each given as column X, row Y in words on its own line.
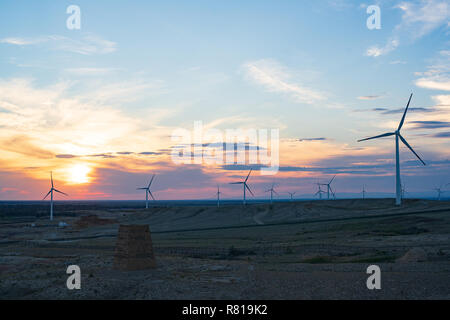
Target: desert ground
column 288, row 250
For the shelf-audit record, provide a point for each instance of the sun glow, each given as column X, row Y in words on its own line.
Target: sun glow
column 78, row 174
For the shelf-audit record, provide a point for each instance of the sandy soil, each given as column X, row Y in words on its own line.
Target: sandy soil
column 292, row 250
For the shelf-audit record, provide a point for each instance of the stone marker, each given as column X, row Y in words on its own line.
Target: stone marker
column 134, row 249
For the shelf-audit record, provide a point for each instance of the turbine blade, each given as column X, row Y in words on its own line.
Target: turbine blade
column 47, row 195
column 151, row 195
column 248, row 174
column 379, row 136
column 151, row 181
column 51, row 177
column 141, row 188
column 410, row 148
column 404, row 114
column 332, row 179
column 61, row 192
column 236, row 182
column 248, row 188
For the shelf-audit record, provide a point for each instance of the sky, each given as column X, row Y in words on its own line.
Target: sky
column 99, row 105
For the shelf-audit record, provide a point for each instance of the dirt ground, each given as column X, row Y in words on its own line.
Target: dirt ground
column 290, row 250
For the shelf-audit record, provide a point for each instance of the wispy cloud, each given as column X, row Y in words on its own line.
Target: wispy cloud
column 419, row 18
column 369, row 97
column 431, row 124
column 276, row 78
column 87, row 45
column 437, row 76
column 376, row 51
column 422, row 17
column 90, row 71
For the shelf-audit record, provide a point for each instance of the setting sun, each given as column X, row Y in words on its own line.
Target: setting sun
column 79, row 174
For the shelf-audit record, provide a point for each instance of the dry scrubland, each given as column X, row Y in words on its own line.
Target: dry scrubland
column 291, row 250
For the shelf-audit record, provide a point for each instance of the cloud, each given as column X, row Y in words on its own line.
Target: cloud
column 419, row 18
column 397, row 62
column 431, row 124
column 401, row 110
column 90, row 71
column 21, row 41
column 53, row 123
column 442, row 135
column 376, row 51
column 422, row 17
column 369, row 97
column 87, row 45
column 65, row 156
column 312, row 139
column 276, row 78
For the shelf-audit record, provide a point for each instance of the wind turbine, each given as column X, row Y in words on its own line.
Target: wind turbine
column 329, row 188
column 439, row 191
column 245, row 185
column 51, row 196
column 398, row 199
column 147, row 191
column 319, row 192
column 404, row 190
column 364, row 192
column 291, row 194
column 218, row 196
column 272, row 191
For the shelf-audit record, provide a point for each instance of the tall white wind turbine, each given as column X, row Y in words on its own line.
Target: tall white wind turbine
column 329, row 188
column 148, row 192
column 292, row 195
column 218, row 196
column 439, row 192
column 364, row 192
column 319, row 192
column 245, row 185
column 272, row 191
column 51, row 196
column 396, row 133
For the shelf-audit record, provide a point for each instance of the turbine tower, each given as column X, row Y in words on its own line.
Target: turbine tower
column 292, row 194
column 364, row 192
column 218, row 196
column 245, row 185
column 329, row 188
column 147, row 192
column 398, row 185
column 51, row 196
column 272, row 191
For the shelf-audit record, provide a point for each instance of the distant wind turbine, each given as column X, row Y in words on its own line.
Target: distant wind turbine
column 319, row 192
column 398, row 199
column 147, row 191
column 218, row 196
column 329, row 188
column 272, row 191
column 364, row 192
column 51, row 196
column 404, row 191
column 245, row 185
column 440, row 191
column 292, row 194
